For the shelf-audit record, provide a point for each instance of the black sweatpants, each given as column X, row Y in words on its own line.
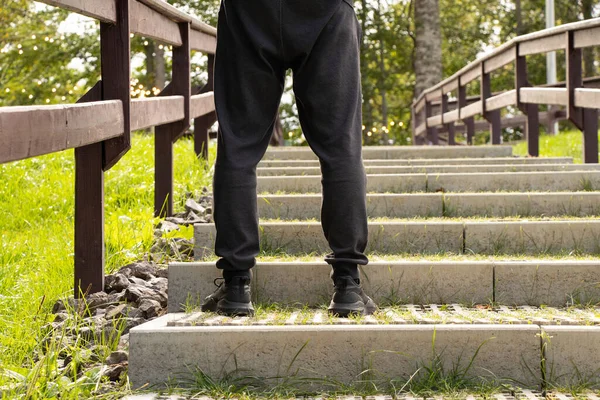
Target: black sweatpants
column 257, row 41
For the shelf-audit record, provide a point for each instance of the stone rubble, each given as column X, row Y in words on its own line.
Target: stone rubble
column 133, row 295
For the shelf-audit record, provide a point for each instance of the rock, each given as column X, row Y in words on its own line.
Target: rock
column 192, row 218
column 161, row 284
column 131, row 323
column 192, row 207
column 208, row 210
column 143, row 270
column 61, row 317
column 164, row 247
column 138, row 281
column 100, row 312
column 116, row 297
column 167, row 226
column 184, row 247
column 135, row 294
column 71, row 304
column 162, row 273
column 205, row 189
column 177, row 220
column 117, row 357
column 115, row 311
column 208, row 218
column 133, row 312
column 150, row 308
column 96, row 300
column 116, row 282
column 113, row 372
column 158, row 233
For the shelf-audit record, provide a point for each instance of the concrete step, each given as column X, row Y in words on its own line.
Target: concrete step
column 430, row 169
column 397, row 152
column 426, row 161
column 449, row 182
column 316, row 356
column 534, row 282
column 381, row 205
column 322, row 356
column 429, row 237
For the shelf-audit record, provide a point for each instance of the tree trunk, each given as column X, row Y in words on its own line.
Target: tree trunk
column 428, row 51
column 382, row 72
column 277, row 137
column 159, row 67
column 589, row 56
column 519, row 17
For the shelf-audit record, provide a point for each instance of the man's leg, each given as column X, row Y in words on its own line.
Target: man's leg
column 328, row 93
column 248, row 86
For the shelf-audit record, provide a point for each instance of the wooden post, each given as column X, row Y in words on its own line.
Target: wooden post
column 532, row 126
column 450, row 125
column 89, row 212
column 585, row 119
column 493, row 117
column 116, row 74
column 462, row 102
column 202, row 124
column 432, row 132
column 166, row 135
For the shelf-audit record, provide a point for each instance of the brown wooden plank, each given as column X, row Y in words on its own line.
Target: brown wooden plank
column 450, row 86
column 499, row 60
column 432, row 133
column 202, row 104
column 471, row 110
column 102, row 10
column 29, row 131
column 116, row 77
column 177, row 15
column 420, row 105
column 89, row 213
column 470, row 75
column 508, row 98
column 154, row 111
column 203, row 42
column 547, row 96
column 587, row 98
column 151, row 23
column 451, row 116
column 434, row 95
column 436, row 120
column 542, row 45
column 586, row 38
column 420, row 129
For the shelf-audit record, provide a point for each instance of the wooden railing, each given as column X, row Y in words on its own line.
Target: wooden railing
column 433, row 112
column 99, row 126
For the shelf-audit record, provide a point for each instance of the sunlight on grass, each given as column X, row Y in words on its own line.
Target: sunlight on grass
column 566, row 144
column 36, row 232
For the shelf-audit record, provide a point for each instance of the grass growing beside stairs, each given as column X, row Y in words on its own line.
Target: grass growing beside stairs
column 565, row 144
column 36, row 250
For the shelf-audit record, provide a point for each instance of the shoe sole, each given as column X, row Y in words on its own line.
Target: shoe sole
column 232, row 309
column 346, row 310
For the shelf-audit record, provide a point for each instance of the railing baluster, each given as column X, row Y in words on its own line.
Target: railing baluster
column 462, row 102
column 89, row 212
column 449, row 126
column 166, row 135
column 202, row 124
column 493, row 117
column 585, row 119
column 532, row 126
column 116, row 77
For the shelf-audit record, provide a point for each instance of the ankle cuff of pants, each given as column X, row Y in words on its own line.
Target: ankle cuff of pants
column 343, row 269
column 228, row 274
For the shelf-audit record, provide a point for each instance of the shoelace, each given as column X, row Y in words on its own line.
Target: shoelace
column 218, row 285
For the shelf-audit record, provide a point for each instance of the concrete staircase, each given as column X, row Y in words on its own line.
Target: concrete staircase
column 483, row 264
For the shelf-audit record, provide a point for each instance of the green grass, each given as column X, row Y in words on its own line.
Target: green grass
column 36, row 256
column 566, row 144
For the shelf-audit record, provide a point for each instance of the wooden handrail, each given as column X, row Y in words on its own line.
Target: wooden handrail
column 433, row 110
column 30, row 131
column 99, row 126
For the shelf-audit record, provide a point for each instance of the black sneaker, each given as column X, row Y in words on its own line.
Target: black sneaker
column 231, row 298
column 349, row 299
